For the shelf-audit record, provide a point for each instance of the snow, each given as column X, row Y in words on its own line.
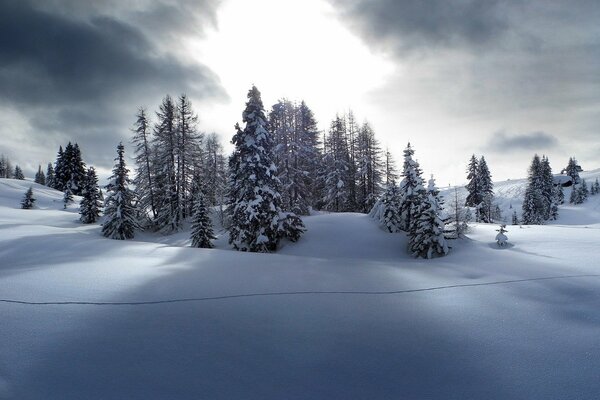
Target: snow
column 344, row 313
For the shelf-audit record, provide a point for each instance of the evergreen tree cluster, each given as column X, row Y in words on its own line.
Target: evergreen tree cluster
column 68, row 174
column 257, row 221
column 542, row 197
column 174, row 163
column 28, row 200
column 415, row 209
column 6, row 169
column 352, row 168
column 480, row 190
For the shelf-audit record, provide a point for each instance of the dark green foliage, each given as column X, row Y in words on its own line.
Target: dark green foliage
column 28, row 201
column 90, row 205
column 202, row 230
column 18, row 174
column 40, row 177
column 120, row 214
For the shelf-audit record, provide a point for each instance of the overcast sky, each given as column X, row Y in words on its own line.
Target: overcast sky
column 504, row 79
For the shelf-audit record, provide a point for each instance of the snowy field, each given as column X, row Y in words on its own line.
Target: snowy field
column 342, row 314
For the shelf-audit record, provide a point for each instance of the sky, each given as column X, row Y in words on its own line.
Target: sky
column 504, row 79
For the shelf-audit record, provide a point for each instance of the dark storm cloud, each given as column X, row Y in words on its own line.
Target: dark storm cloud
column 500, row 142
column 78, row 70
column 409, row 24
column 49, row 58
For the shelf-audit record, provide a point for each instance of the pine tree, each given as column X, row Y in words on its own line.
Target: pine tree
column 391, row 172
column 572, row 170
column 18, row 174
column 254, row 207
column 486, row 191
column 426, row 236
column 387, row 209
column 596, row 186
column 459, row 216
column 474, row 193
column 411, row 189
column 3, row 167
column 28, row 201
column 202, row 230
column 90, row 205
column 39, row 176
column 369, row 168
column 144, row 157
column 50, row 180
column 67, row 197
column 168, row 207
column 575, row 197
column 583, row 191
column 515, row 219
column 309, row 157
column 120, row 221
column 534, row 203
column 60, row 171
column 338, row 171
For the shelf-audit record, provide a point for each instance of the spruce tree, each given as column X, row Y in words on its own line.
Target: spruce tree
column 560, row 194
column 337, row 196
column 254, row 208
column 411, row 189
column 60, row 171
column 28, row 201
column 515, row 219
column 144, row 157
column 426, row 236
column 202, row 230
column 369, row 168
column 67, row 196
column 596, row 186
column 39, row 176
column 90, row 205
column 387, row 209
column 486, row 191
column 18, row 174
column 120, row 221
column 584, row 190
column 50, row 180
column 534, row 203
column 572, row 170
column 575, row 197
column 474, row 193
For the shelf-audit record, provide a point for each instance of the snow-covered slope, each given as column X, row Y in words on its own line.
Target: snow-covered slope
column 342, row 314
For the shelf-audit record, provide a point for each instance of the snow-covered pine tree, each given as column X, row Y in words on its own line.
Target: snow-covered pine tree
column 369, row 168
column 596, row 186
column 459, row 216
column 50, row 181
column 411, row 189
column 534, row 203
column 120, row 215
column 486, row 191
column 60, row 171
column 426, row 237
column 78, row 171
column 202, row 231
column 575, row 196
column 144, row 158
column 572, row 170
column 387, row 209
column 18, row 174
column 515, row 218
column 474, row 197
column 338, row 172
column 309, row 157
column 39, row 176
column 351, row 134
column 583, row 191
column 547, row 188
column 391, row 171
column 90, row 205
column 254, row 208
column 67, row 196
column 168, row 215
column 3, row 169
column 28, row 201
column 189, row 154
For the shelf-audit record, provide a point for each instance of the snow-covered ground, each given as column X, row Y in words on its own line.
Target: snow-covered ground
column 342, row 314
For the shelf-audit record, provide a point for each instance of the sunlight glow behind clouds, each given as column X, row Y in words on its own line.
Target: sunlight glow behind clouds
column 294, row 49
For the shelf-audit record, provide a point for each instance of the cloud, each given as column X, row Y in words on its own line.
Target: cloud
column 401, row 26
column 79, row 70
column 500, row 142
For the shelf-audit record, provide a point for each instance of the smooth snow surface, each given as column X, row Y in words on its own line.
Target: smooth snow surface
column 342, row 314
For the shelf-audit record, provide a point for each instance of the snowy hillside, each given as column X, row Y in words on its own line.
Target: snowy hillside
column 344, row 313
column 509, row 196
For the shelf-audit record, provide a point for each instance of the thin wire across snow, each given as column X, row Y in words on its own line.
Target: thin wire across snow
column 297, row 293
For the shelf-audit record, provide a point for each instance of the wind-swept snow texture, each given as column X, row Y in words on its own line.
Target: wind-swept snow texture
column 344, row 313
